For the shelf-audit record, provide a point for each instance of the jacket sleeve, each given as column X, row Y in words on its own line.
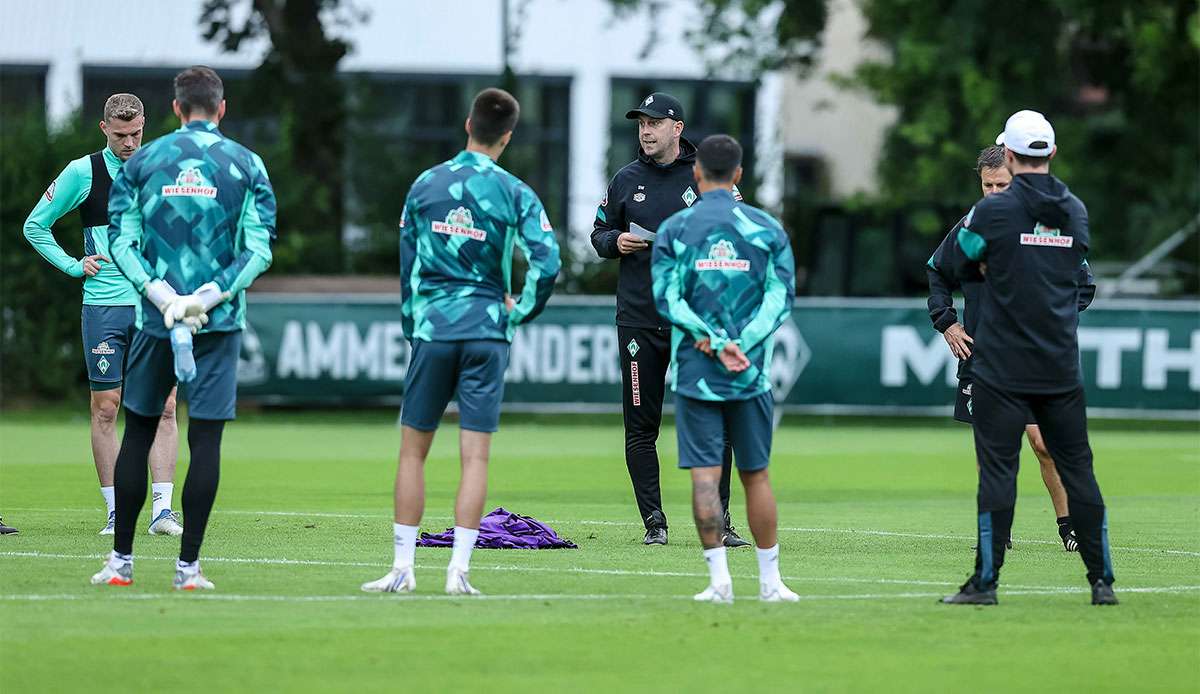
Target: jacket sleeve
column 667, row 274
column 778, row 295
column 610, row 222
column 535, row 238
column 939, row 269
column 408, row 264
column 64, row 194
column 256, row 225
column 971, row 243
column 1087, row 286
column 125, row 233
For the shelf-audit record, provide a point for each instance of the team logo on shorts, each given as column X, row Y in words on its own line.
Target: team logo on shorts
column 103, row 348
column 633, row 348
column 689, row 196
column 103, row 365
column 722, row 256
column 460, row 222
column 190, row 183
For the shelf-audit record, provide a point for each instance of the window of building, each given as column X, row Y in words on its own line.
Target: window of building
column 23, row 88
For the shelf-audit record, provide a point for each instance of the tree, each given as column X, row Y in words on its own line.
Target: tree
column 298, row 83
column 1117, row 79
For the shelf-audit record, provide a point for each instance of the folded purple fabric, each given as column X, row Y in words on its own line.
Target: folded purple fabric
column 503, row 529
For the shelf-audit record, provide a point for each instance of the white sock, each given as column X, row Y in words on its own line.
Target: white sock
column 464, row 542
column 160, row 497
column 188, row 566
column 110, row 498
column 718, row 567
column 768, row 566
column 405, row 537
column 116, row 558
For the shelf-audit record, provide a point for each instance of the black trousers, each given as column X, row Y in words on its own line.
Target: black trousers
column 645, row 358
column 1000, row 418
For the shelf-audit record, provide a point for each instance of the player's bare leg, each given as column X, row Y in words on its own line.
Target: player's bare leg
column 763, row 515
column 710, row 521
column 409, row 507
column 163, row 454
column 1054, row 485
column 104, row 407
column 474, row 449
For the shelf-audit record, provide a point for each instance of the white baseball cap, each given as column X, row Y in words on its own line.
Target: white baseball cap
column 1028, row 133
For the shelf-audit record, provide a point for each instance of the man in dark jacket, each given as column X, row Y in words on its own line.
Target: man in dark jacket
column 645, row 192
column 993, row 178
column 1027, row 246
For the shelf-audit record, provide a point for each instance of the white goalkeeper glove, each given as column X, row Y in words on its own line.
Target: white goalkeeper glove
column 195, row 306
column 162, row 295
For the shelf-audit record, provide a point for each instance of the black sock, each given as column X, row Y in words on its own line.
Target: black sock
column 200, row 488
column 130, row 477
column 1064, row 525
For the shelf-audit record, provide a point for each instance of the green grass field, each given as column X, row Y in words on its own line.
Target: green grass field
column 877, row 522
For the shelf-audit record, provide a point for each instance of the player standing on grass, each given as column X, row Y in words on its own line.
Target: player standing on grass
column 457, row 232
column 1031, row 242
column 725, row 279
column 994, row 178
column 646, row 191
column 110, row 303
column 192, row 218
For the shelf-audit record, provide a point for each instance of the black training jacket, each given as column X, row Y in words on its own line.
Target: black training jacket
column 942, row 283
column 1034, row 240
column 647, row 193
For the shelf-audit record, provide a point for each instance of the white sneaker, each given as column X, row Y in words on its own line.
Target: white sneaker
column 116, row 572
column 167, row 523
column 777, row 593
column 191, row 580
column 721, row 595
column 398, row 580
column 457, row 583
column 111, row 527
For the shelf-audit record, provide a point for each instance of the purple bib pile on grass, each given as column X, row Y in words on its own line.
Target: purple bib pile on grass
column 503, row 529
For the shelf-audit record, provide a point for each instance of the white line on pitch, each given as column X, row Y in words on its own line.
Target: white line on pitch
column 581, row 570
column 396, row 599
column 562, row 521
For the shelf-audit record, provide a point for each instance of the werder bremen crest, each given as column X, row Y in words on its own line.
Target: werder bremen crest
column 689, row 196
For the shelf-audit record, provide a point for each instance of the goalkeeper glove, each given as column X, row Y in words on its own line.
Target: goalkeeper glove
column 194, row 306
column 162, row 295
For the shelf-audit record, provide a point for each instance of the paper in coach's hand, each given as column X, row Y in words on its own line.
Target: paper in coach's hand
column 641, row 232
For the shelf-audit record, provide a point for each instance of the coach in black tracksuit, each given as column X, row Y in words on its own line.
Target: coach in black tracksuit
column 649, row 189
column 1027, row 245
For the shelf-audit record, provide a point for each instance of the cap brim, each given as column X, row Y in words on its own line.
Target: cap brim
column 1000, row 138
column 632, row 115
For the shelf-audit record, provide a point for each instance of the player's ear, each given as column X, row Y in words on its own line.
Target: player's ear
column 221, row 110
column 505, row 139
column 103, row 127
column 467, row 126
column 1053, row 152
column 175, row 107
column 737, row 176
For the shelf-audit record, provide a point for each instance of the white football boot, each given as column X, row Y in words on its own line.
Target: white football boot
column 186, row 579
column 457, row 583
column 167, row 523
column 111, row 526
column 398, row 580
column 777, row 593
column 720, row 595
column 116, row 572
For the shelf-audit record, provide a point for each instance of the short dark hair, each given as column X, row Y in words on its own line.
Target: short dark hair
column 199, row 89
column 719, row 157
column 494, row 113
column 990, row 158
column 1026, row 160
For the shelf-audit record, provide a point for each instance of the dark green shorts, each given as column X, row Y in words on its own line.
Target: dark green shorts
column 107, row 331
column 150, row 375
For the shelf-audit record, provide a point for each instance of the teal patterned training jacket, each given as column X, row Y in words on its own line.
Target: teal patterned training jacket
column 460, row 223
column 723, row 270
column 193, row 207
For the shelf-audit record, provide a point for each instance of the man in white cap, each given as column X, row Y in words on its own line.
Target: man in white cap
column 1033, row 240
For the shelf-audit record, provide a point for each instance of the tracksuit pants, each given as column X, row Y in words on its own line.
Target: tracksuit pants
column 1000, row 418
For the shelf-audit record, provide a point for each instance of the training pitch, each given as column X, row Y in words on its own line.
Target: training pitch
column 876, row 524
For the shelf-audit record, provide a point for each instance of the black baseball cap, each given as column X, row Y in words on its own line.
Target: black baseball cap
column 658, row 105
